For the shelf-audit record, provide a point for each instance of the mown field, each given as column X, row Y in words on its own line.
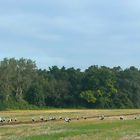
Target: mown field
column 111, row 128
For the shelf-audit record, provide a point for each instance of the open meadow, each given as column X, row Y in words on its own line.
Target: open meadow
column 83, row 125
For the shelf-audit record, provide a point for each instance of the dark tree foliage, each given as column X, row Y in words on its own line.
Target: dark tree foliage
column 23, row 84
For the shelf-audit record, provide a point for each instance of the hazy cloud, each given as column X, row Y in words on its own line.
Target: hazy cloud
column 72, row 33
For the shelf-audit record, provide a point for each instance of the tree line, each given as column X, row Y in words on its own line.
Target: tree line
column 23, row 85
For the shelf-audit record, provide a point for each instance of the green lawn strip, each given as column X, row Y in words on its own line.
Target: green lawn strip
column 112, row 130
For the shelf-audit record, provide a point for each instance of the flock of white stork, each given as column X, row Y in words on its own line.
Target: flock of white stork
column 43, row 119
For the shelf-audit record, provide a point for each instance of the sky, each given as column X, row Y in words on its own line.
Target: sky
column 71, row 33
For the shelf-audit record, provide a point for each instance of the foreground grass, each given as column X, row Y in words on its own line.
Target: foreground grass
column 77, row 130
column 108, row 129
column 97, row 131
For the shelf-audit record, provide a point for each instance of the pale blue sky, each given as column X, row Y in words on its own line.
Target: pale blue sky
column 76, row 33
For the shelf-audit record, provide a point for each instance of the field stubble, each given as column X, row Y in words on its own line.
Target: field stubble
column 111, row 128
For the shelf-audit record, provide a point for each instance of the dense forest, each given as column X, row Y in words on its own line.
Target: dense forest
column 23, row 85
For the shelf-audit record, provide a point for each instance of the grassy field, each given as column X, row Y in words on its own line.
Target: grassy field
column 111, row 128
